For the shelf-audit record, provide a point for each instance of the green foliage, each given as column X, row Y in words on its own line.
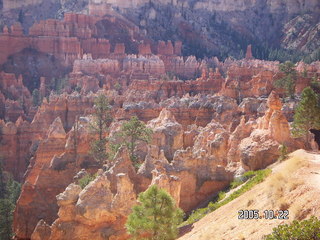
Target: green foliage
column 156, row 217
column 221, row 196
column 61, row 166
column 300, row 230
column 307, row 114
column 283, row 55
column 84, row 181
column 36, row 97
column 283, row 149
column 288, row 82
column 238, row 181
column 169, row 76
column 6, row 213
column 58, row 84
column 132, row 132
column 256, row 177
column 102, row 116
column 78, row 88
column 305, row 73
column 101, row 121
column 113, row 148
column 117, row 86
column 9, row 193
column 21, row 16
column 3, row 189
column 314, row 56
column 76, row 128
column 98, row 150
column 315, row 85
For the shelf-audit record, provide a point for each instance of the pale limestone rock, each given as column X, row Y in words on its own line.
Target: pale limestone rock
column 260, row 149
column 125, row 198
column 167, row 133
column 154, row 156
column 122, row 164
column 95, row 210
column 56, row 129
column 70, row 195
column 66, row 202
column 42, row 231
column 170, row 183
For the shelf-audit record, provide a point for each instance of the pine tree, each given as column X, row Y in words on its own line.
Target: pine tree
column 3, row 189
column 288, row 82
column 156, row 217
column 36, row 97
column 132, row 132
column 101, row 121
column 76, row 128
column 6, row 212
column 307, row 114
column 9, row 193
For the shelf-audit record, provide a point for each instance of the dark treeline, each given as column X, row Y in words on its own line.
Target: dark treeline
column 9, row 193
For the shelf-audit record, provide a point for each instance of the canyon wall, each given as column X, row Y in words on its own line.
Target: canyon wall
column 207, row 122
column 67, row 40
column 217, row 151
column 222, row 5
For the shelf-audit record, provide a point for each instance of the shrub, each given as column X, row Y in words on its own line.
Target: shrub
column 61, row 166
column 283, row 149
column 300, row 230
column 84, row 181
column 240, row 180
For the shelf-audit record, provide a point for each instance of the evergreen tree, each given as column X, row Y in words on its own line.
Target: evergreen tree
column 132, row 132
column 10, row 191
column 36, row 97
column 76, row 128
column 101, row 121
column 156, row 217
column 288, row 82
column 2, row 182
column 307, row 114
column 6, row 213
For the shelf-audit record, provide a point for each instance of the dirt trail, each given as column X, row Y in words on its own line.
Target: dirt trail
column 315, row 175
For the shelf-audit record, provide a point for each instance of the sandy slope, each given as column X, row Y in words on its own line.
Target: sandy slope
column 293, row 185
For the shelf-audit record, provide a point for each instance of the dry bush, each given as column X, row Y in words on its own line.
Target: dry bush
column 276, row 189
column 292, row 185
column 302, row 214
column 298, row 211
column 283, row 204
column 250, row 201
column 241, row 237
column 232, row 227
column 295, row 209
column 282, row 181
column 293, row 164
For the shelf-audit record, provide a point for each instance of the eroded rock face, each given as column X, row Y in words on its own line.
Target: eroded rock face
column 261, row 148
column 98, row 217
column 42, row 231
column 205, row 127
column 167, row 133
column 37, row 199
column 201, row 139
column 170, row 183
